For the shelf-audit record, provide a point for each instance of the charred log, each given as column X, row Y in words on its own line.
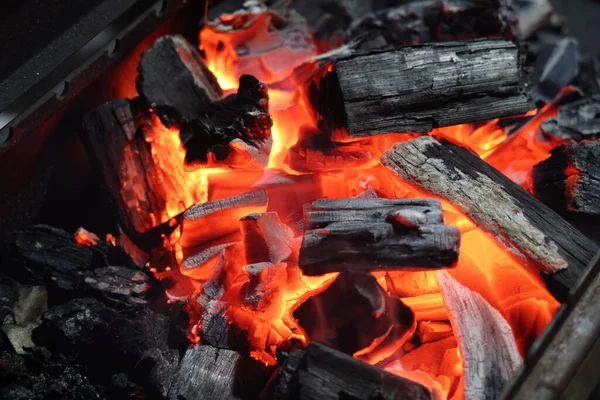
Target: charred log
column 487, row 345
column 519, row 221
column 212, row 374
column 234, row 131
column 124, row 161
column 175, row 81
column 365, row 315
column 319, row 372
column 418, row 88
column 577, row 120
column 570, row 179
column 376, row 234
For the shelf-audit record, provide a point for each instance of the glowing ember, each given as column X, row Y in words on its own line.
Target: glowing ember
column 260, row 296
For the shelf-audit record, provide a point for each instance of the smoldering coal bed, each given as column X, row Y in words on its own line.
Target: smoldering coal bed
column 314, row 207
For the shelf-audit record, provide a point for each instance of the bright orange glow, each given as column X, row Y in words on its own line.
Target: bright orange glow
column 306, row 164
column 86, row 238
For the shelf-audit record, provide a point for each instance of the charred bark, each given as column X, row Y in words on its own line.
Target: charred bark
column 516, row 219
column 376, row 234
column 418, row 88
column 487, row 345
column 570, row 179
column 266, row 238
column 322, row 373
column 124, row 161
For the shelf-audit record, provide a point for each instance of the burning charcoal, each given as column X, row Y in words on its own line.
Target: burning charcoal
column 318, row 153
column 175, row 81
column 487, row 344
column 533, row 232
column 355, row 312
column 376, row 234
column 215, row 219
column 266, row 282
column 431, row 331
column 209, row 373
column 156, row 369
column 56, row 257
column 322, row 373
column 256, row 40
column 25, row 315
column 556, row 67
column 233, row 132
column 578, row 120
column 218, row 332
column 266, row 238
column 200, row 263
column 568, row 180
column 124, row 160
column 396, row 101
column 119, row 286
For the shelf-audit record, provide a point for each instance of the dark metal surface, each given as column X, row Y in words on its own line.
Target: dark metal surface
column 72, row 61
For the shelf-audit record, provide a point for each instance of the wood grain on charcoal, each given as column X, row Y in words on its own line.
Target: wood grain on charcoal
column 373, row 234
column 569, row 180
column 487, row 345
column 322, row 373
column 125, row 164
column 516, row 219
column 418, row 88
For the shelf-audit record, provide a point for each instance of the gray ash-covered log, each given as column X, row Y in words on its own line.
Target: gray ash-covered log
column 322, row 373
column 487, row 344
column 418, row 88
column 209, row 373
column 577, row 120
column 175, row 81
column 376, row 234
column 569, row 180
column 516, row 219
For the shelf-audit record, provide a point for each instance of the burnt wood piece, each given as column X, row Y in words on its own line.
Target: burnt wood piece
column 212, row 220
column 577, row 120
column 124, row 161
column 175, row 81
column 570, row 179
column 51, row 255
column 266, row 238
column 100, row 335
column 322, row 373
column 200, row 262
column 517, row 220
column 418, row 88
column 119, row 287
column 376, row 234
column 563, row 363
column 235, row 130
column 366, row 315
column 487, row 345
column 209, row 373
